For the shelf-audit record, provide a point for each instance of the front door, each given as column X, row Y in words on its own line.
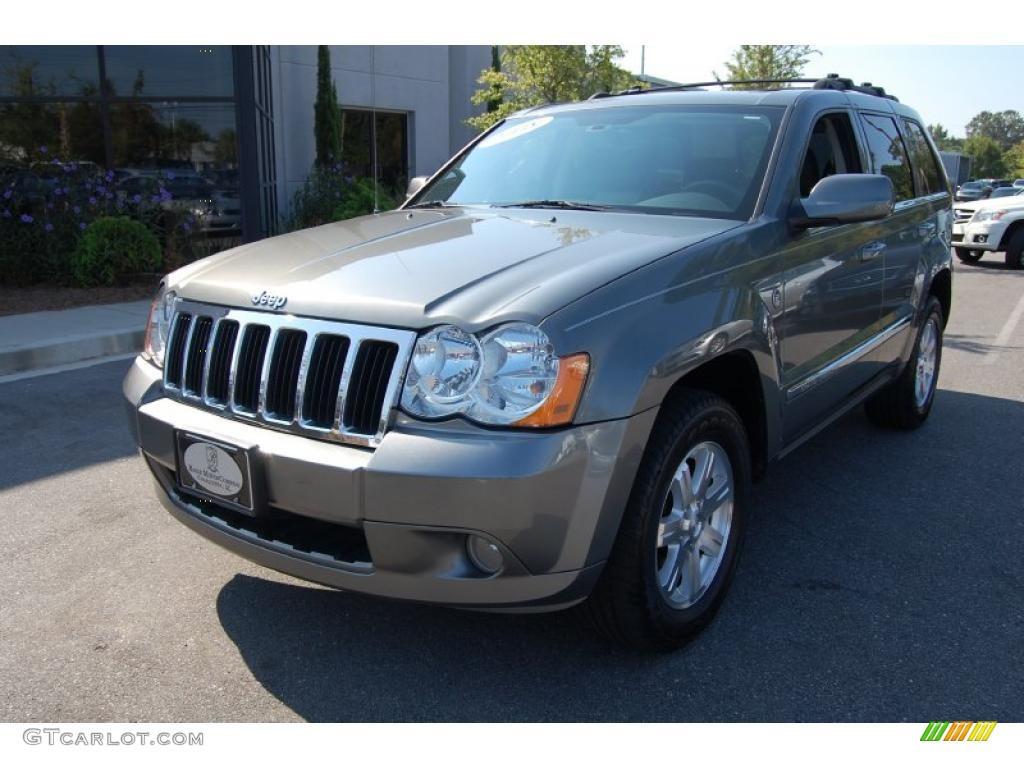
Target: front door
column 832, row 292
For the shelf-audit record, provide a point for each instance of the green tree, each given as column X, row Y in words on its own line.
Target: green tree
column 767, row 62
column 528, row 75
column 987, row 157
column 494, row 103
column 945, row 141
column 1005, row 128
column 326, row 112
column 1014, row 160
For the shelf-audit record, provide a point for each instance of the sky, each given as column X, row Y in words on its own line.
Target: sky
column 946, row 84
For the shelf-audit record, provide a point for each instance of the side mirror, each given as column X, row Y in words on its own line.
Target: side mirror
column 844, row 198
column 415, row 185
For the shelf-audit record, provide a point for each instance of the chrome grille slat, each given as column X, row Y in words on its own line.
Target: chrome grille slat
column 174, row 366
column 209, row 356
column 196, row 354
column 291, row 367
column 225, row 343
column 268, row 356
column 300, row 387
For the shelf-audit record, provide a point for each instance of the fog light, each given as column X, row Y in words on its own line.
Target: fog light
column 981, row 238
column 483, row 554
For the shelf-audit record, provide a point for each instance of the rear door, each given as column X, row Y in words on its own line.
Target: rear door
column 901, row 238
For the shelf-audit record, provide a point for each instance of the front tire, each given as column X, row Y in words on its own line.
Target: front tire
column 968, row 255
column 682, row 530
column 1015, row 250
column 906, row 402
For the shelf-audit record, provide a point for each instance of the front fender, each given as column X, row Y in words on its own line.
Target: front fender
column 647, row 330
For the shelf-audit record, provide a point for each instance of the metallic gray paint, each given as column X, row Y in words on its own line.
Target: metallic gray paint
column 651, row 299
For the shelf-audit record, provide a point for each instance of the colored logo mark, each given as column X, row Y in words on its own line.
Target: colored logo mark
column 959, row 730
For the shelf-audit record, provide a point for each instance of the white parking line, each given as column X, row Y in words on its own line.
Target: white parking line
column 68, row 367
column 1004, row 334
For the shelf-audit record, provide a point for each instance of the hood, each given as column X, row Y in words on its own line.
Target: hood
column 413, row 269
column 1016, row 201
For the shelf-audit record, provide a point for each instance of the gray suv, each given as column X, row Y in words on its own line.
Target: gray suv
column 552, row 375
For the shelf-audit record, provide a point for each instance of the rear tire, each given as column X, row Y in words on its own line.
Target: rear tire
column 906, row 402
column 1015, row 250
column 682, row 530
column 968, row 255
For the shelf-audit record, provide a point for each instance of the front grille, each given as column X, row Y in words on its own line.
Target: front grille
column 325, row 379
column 962, row 215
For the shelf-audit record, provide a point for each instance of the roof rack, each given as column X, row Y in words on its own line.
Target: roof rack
column 831, row 82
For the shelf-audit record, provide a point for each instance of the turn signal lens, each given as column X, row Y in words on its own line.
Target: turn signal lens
column 560, row 406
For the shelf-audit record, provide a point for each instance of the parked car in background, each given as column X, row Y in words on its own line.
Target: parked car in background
column 980, row 189
column 971, row 191
column 1005, row 192
column 990, row 225
column 1018, row 183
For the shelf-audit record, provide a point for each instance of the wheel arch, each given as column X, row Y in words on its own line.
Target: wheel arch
column 1013, row 229
column 735, row 377
column 941, row 287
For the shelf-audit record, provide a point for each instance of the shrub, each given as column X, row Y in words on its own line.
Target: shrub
column 329, row 194
column 113, row 248
column 45, row 209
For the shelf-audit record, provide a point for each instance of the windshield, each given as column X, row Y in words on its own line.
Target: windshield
column 694, row 160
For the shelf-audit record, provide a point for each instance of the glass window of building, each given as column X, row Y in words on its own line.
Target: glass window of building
column 157, row 141
column 392, row 139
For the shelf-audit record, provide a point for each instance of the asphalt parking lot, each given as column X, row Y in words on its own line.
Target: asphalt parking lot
column 883, row 579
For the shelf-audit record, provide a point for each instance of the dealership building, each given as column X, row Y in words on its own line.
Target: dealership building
column 238, row 118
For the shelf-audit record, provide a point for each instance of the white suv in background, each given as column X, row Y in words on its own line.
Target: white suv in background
column 990, row 225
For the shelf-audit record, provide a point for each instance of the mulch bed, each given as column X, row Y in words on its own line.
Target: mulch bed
column 36, row 298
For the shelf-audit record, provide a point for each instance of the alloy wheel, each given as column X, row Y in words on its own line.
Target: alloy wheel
column 927, row 352
column 693, row 531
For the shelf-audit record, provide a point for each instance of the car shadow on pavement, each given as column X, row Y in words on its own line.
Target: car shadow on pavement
column 881, row 580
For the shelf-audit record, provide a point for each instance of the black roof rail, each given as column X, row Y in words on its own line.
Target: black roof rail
column 831, row 82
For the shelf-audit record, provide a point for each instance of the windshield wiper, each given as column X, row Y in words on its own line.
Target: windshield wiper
column 567, row 205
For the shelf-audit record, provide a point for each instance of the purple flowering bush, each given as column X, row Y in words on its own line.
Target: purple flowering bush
column 46, row 209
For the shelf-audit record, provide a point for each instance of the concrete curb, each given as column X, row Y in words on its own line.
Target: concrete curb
column 73, row 350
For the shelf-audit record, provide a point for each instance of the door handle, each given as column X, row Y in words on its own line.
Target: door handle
column 872, row 251
column 926, row 229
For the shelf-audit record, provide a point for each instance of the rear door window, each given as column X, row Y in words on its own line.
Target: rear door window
column 888, row 154
column 927, row 176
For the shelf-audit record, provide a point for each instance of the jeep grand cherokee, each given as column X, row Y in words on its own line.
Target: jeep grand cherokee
column 553, row 373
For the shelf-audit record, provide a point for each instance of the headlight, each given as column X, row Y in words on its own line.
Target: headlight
column 509, row 376
column 989, row 214
column 158, row 327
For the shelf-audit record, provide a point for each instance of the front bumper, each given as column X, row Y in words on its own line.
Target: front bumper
column 393, row 521
column 983, row 236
